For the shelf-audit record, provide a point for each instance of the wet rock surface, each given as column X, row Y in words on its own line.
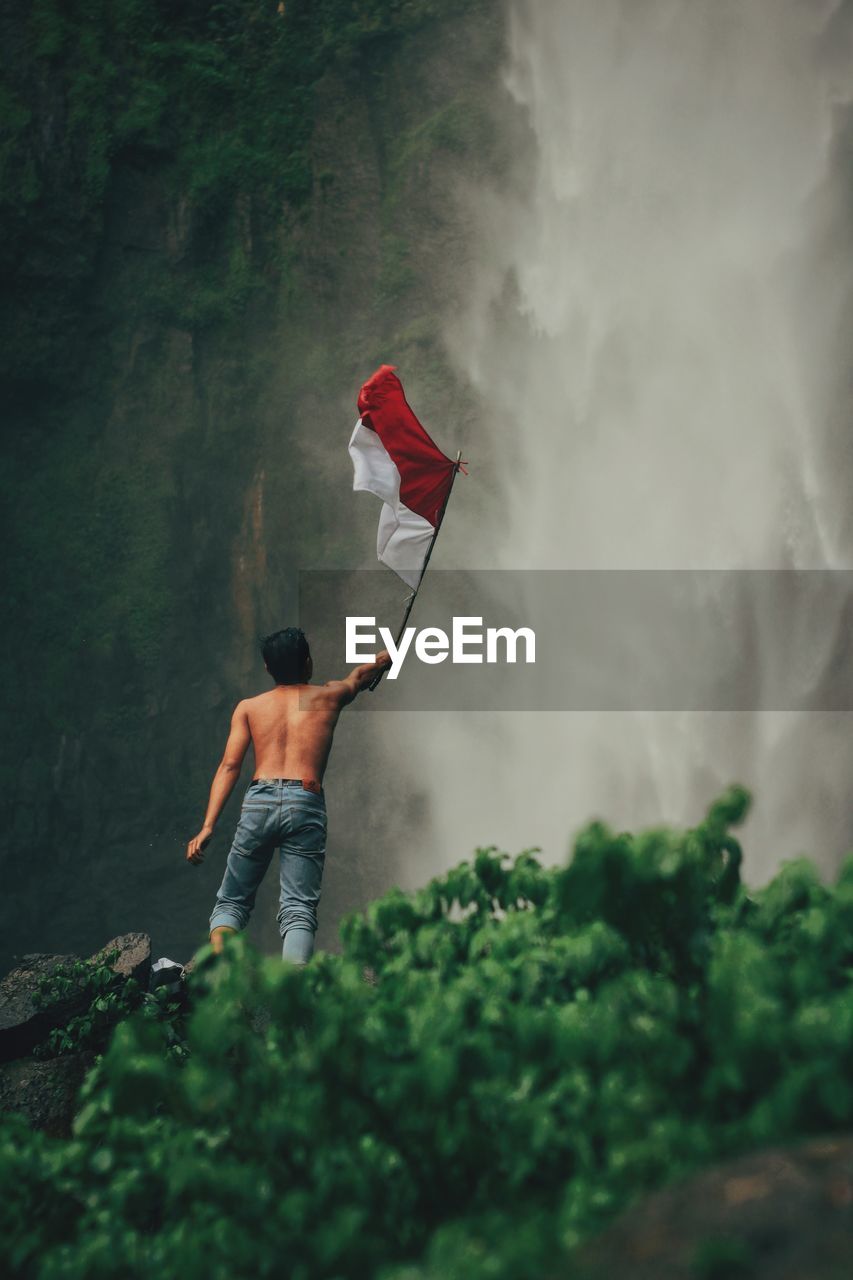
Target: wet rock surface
column 44, row 1093
column 22, row 1025
column 777, row 1214
column 44, row 1090
column 134, row 956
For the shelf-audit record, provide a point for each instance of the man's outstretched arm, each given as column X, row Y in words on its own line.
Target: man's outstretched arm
column 223, row 781
column 360, row 677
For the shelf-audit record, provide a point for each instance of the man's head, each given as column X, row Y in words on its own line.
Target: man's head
column 287, row 656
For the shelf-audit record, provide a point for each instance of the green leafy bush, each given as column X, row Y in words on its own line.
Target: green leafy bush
column 90, row 998
column 102, row 996
column 535, row 1047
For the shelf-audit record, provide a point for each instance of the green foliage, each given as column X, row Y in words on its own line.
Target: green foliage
column 156, row 164
column 220, row 98
column 723, row 1259
column 90, row 998
column 102, row 996
column 536, row 1046
column 458, row 127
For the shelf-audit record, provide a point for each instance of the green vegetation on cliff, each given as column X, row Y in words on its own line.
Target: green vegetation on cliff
column 156, row 167
column 537, row 1048
column 217, row 220
column 217, row 98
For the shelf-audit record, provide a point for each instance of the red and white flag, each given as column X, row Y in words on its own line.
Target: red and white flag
column 395, row 459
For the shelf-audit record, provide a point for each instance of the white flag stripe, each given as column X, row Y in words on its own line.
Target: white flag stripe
column 403, row 538
column 403, row 541
column 374, row 469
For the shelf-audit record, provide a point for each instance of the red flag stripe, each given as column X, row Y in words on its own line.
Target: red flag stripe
column 425, row 472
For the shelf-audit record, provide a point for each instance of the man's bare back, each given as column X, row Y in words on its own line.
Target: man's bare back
column 291, row 729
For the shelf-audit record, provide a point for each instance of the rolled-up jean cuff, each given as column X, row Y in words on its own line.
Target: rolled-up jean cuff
column 229, row 919
column 298, row 945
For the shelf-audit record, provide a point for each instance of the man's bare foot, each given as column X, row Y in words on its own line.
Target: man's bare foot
column 217, row 937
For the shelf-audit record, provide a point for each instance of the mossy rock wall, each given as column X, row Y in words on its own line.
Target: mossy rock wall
column 217, row 224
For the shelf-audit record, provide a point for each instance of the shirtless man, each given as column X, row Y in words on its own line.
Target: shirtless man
column 291, row 729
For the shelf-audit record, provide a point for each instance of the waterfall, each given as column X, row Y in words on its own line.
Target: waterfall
column 656, row 336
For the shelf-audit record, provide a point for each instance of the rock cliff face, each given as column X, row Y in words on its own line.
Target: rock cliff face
column 43, row 1089
column 778, row 1214
column 215, row 232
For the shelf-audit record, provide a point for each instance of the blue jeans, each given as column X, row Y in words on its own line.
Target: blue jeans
column 281, row 814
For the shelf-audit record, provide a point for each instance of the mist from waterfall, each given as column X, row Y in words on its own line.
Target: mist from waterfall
column 657, row 337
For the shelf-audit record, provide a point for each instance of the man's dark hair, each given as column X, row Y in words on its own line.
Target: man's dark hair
column 286, row 653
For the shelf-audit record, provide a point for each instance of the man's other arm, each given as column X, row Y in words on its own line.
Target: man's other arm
column 359, row 678
column 223, row 781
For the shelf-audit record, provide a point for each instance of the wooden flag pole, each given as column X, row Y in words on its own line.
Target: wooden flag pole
column 375, row 681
